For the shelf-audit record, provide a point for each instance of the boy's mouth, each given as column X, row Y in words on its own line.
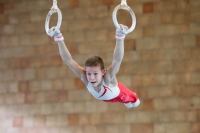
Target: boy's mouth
column 93, row 82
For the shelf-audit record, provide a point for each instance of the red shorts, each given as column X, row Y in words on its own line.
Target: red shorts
column 125, row 95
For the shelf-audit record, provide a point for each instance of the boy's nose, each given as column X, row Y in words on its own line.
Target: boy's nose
column 92, row 76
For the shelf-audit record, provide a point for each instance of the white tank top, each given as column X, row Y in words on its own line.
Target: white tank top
column 106, row 93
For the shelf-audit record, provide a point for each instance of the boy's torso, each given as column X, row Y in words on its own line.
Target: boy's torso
column 105, row 93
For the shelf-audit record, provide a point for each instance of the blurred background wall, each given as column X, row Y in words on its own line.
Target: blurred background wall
column 40, row 94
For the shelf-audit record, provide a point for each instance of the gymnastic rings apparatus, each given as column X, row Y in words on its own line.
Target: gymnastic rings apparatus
column 54, row 9
column 124, row 6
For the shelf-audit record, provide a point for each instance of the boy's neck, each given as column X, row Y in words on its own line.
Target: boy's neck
column 100, row 84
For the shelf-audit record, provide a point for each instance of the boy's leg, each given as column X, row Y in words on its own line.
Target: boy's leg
column 131, row 104
column 129, row 97
column 128, row 105
column 135, row 104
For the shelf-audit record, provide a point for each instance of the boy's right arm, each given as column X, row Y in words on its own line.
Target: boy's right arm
column 67, row 58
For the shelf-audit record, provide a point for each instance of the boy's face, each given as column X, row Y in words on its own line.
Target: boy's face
column 94, row 75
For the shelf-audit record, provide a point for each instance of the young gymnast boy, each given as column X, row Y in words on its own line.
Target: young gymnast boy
column 100, row 82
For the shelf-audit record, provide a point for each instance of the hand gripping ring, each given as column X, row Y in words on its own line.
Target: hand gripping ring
column 53, row 10
column 124, row 6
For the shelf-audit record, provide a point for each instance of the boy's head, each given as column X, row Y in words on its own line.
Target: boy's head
column 94, row 61
column 95, row 71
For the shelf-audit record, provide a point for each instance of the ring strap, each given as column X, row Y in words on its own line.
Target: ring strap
column 123, row 2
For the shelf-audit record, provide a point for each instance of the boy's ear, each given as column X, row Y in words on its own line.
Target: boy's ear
column 104, row 71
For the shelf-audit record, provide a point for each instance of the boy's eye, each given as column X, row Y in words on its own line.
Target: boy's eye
column 88, row 74
column 95, row 73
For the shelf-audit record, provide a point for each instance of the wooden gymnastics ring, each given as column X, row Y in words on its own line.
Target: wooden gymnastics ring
column 124, row 6
column 54, row 9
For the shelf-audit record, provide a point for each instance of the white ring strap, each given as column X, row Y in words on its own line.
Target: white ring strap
column 53, row 10
column 123, row 2
column 124, row 6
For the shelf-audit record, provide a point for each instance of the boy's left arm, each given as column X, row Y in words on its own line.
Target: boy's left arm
column 118, row 51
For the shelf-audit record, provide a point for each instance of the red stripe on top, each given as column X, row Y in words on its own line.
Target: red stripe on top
column 105, row 89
